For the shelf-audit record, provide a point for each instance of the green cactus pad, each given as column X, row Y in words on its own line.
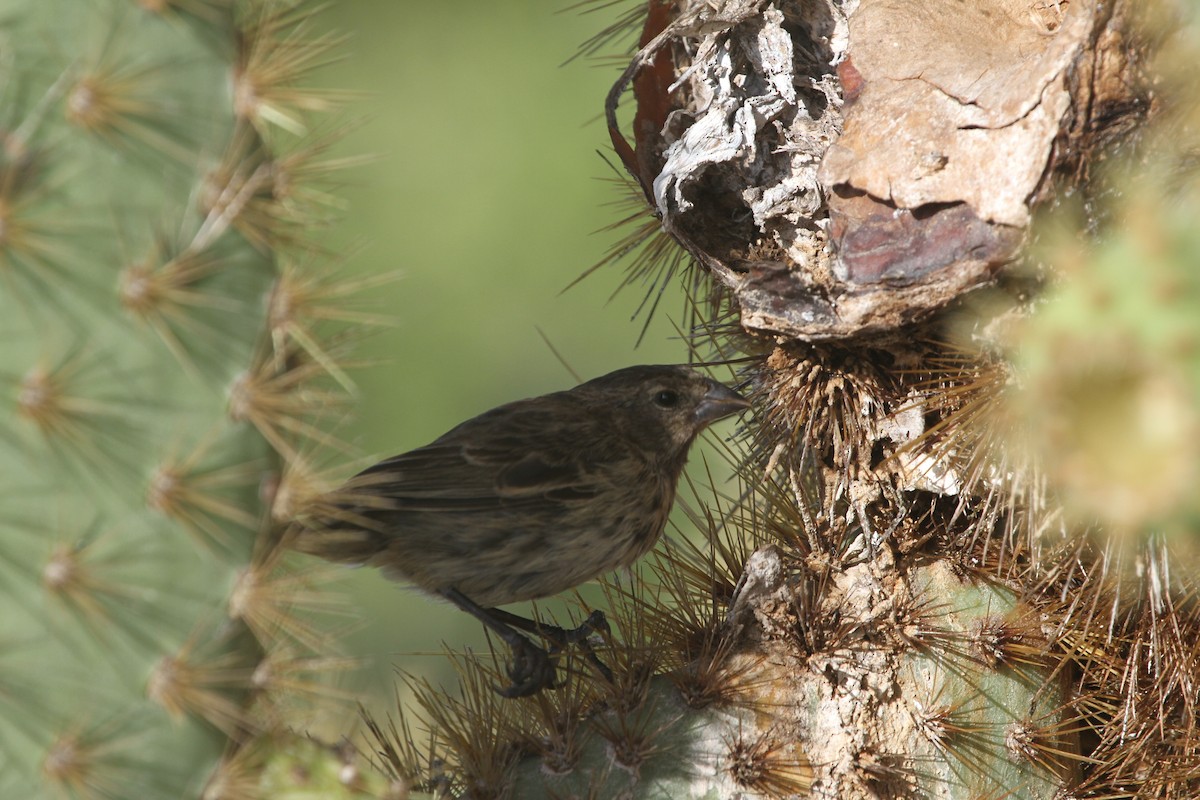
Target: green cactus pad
column 131, row 302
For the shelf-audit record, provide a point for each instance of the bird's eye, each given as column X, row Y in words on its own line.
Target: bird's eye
column 666, row 399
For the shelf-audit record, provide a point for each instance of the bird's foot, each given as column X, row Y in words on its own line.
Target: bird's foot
column 531, row 670
column 581, row 636
column 561, row 638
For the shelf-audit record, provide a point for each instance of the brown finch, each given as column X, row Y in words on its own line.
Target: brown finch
column 527, row 500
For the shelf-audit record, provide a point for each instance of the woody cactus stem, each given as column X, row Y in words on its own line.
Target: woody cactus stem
column 156, row 183
column 957, row 687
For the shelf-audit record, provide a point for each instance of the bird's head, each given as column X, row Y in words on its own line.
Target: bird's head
column 664, row 407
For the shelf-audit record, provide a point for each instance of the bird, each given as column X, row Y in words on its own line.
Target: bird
column 527, row 500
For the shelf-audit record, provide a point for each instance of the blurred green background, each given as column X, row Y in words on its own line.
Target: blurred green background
column 487, row 195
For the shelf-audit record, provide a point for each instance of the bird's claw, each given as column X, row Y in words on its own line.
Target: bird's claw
column 581, row 637
column 596, row 623
column 532, row 670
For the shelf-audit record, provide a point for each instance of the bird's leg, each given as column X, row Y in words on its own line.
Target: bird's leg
column 564, row 637
column 532, row 668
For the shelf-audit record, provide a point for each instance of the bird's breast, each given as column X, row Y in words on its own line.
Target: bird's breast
column 639, row 519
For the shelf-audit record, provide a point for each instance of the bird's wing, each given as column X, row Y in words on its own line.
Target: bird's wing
column 513, row 454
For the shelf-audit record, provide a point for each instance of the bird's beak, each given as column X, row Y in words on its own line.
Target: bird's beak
column 720, row 401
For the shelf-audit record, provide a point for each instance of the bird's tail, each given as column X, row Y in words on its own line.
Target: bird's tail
column 342, row 525
column 338, row 527
column 342, row 544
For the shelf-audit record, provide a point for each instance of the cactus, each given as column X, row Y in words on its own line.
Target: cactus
column 1109, row 373
column 165, row 374
column 961, row 563
column 756, row 695
column 963, row 712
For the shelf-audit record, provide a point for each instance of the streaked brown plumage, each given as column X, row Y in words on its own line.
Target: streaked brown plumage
column 531, row 498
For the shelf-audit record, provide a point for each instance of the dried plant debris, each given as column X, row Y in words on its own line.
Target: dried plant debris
column 846, row 167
